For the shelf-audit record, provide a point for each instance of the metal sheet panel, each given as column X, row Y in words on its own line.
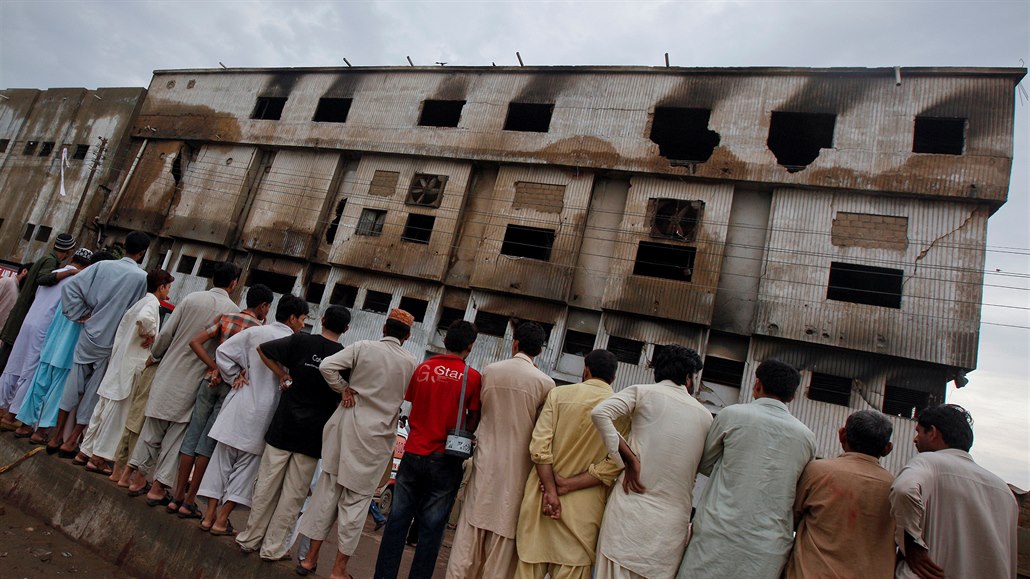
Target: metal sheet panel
column 214, row 191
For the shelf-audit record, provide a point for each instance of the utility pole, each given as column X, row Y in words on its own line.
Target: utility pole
column 97, row 159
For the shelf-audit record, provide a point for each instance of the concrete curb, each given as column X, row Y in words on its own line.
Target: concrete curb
column 143, row 541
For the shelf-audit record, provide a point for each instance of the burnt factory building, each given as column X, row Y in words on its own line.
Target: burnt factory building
column 833, row 218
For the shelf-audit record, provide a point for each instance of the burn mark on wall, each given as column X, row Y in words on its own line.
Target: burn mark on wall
column 453, row 87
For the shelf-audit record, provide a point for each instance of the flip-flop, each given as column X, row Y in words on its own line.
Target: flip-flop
column 37, row 442
column 228, row 531
column 142, row 491
column 160, row 502
column 105, row 470
column 78, row 461
column 194, row 512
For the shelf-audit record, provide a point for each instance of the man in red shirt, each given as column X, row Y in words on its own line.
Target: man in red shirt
column 428, row 479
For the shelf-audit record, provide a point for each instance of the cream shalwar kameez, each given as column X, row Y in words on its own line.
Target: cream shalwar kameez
column 645, row 534
column 128, row 358
column 357, row 442
column 565, row 438
column 963, row 514
column 511, row 395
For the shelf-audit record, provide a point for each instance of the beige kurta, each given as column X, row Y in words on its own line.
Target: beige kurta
column 844, row 520
column 963, row 514
column 8, row 295
column 565, row 438
column 174, row 389
column 647, row 533
column 357, row 442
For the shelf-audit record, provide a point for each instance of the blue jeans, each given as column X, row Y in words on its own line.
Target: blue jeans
column 425, row 488
column 373, row 509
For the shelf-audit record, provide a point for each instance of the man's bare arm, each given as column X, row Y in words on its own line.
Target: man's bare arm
column 197, row 345
column 551, row 504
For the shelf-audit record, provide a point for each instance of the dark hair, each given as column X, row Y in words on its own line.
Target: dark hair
column 779, row 379
column 531, row 337
column 675, row 363
column 953, row 422
column 602, row 365
column 224, row 273
column 156, row 278
column 258, row 294
column 868, row 432
column 336, row 319
column 136, row 242
column 460, row 335
column 99, row 256
column 396, row 329
column 290, row 305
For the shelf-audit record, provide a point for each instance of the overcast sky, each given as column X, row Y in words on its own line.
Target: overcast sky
column 94, row 44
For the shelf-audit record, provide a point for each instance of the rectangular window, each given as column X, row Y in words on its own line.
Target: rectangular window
column 797, row 138
column 343, row 295
column 864, row 284
column 186, row 263
column 440, row 113
column 529, row 117
column 80, row 152
column 27, row 234
column 578, row 343
column 829, row 388
column 939, row 136
column 4, row 143
column 269, row 108
column 683, row 135
column 30, row 147
column 378, row 302
column 46, row 149
column 529, row 242
column 491, row 324
column 664, row 261
column 207, row 268
column 279, row 283
column 314, row 292
column 625, row 349
column 371, row 222
column 448, row 316
column 419, row 228
column 675, row 218
column 722, row 371
column 426, row 190
column 415, row 307
column 43, row 233
column 904, row 402
column 332, row 110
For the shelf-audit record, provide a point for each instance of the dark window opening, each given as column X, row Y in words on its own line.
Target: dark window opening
column 4, row 143
column 448, row 316
column 675, row 218
column 269, row 108
column 664, row 261
column 186, row 263
column 80, row 152
column 625, row 349
column 419, row 228
column 578, row 343
column 334, row 225
column 314, row 292
column 797, row 138
column 426, row 190
column 343, row 295
column 491, row 324
column 529, row 117
column 207, row 268
column 30, row 147
column 415, row 307
column 378, row 302
column 939, row 136
column 531, row 242
column 683, row 134
column 371, row 222
column 440, row 113
column 27, row 234
column 863, row 284
column 829, row 388
column 43, row 233
column 332, row 110
column 904, row 402
column 722, row 371
column 280, row 283
column 46, row 149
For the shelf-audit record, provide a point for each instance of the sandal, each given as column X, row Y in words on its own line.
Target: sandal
column 193, row 512
column 141, row 491
column 228, row 531
column 105, row 468
column 160, row 502
column 62, row 453
column 80, row 461
column 304, row 571
column 205, row 528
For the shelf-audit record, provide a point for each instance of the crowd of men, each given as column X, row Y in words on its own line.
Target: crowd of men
column 215, row 407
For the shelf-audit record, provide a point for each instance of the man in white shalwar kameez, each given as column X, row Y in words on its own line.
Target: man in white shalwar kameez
column 754, row 455
column 245, row 415
column 952, row 517
column 132, row 341
column 644, row 530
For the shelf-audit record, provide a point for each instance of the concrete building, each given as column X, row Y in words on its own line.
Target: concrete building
column 832, row 218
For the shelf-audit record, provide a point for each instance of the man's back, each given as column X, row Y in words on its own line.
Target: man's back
column 105, row 291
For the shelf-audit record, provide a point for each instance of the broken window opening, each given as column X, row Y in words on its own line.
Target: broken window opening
column 268, row 108
column 426, row 190
column 448, row 316
column 528, row 242
column 796, row 138
column 27, row 234
column 343, row 295
column 904, row 402
column 4, row 143
column 491, row 324
column 332, row 110
column 682, row 134
column 626, row 350
column 418, row 229
column 675, row 218
column 207, row 268
column 377, row 302
column 371, row 222
column 334, row 225
column 43, row 233
column 186, row 263
column 314, row 292
column 440, row 113
column 578, row 343
column 665, row 261
column 864, row 284
column 528, row 117
column 46, row 149
column 939, row 136
column 80, row 152
column 722, row 371
column 30, row 147
column 279, row 283
column 415, row 307
column 830, row 388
